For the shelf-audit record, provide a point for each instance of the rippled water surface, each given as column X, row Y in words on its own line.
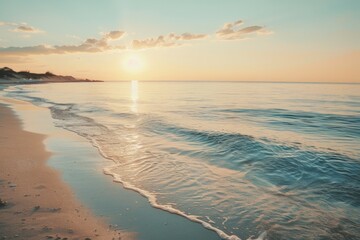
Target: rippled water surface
column 244, row 158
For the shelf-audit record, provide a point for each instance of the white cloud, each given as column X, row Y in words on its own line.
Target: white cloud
column 229, row 31
column 234, row 31
column 90, row 45
column 21, row 27
column 169, row 40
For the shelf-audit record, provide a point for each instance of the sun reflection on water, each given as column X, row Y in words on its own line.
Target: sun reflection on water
column 134, row 95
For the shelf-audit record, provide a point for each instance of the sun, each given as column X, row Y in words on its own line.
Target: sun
column 133, row 64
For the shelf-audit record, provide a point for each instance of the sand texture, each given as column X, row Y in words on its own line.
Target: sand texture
column 39, row 205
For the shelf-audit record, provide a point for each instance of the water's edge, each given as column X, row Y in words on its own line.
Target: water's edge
column 153, row 200
column 150, row 198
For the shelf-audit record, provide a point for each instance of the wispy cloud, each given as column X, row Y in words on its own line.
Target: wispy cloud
column 230, row 31
column 90, row 45
column 234, row 31
column 26, row 29
column 169, row 40
column 21, row 27
column 114, row 35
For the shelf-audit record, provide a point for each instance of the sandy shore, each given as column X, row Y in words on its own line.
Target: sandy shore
column 39, row 205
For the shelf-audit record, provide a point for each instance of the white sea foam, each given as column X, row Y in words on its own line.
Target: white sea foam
column 153, row 201
column 262, row 236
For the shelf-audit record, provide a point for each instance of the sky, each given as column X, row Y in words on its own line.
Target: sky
column 214, row 40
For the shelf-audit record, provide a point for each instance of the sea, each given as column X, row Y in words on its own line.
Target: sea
column 246, row 160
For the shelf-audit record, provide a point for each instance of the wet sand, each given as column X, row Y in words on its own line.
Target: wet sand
column 39, row 205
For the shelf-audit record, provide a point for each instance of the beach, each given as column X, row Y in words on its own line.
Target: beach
column 39, row 205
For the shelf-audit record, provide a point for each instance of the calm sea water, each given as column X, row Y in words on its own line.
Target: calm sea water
column 241, row 158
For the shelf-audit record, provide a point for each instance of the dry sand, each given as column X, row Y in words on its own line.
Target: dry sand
column 39, row 204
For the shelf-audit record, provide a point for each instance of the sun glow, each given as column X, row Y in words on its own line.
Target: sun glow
column 133, row 64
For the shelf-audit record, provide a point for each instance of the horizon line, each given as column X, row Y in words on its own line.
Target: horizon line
column 231, row 81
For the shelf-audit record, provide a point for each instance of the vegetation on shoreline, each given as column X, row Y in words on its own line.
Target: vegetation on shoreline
column 7, row 75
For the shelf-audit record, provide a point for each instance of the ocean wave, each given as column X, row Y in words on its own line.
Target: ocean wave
column 310, row 122
column 289, row 166
column 234, row 184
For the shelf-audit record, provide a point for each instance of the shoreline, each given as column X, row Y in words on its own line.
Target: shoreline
column 39, row 204
column 81, row 167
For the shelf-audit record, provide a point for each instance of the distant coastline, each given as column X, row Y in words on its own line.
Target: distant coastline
column 9, row 76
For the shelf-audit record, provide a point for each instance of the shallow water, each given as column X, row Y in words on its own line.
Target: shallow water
column 241, row 158
column 80, row 166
